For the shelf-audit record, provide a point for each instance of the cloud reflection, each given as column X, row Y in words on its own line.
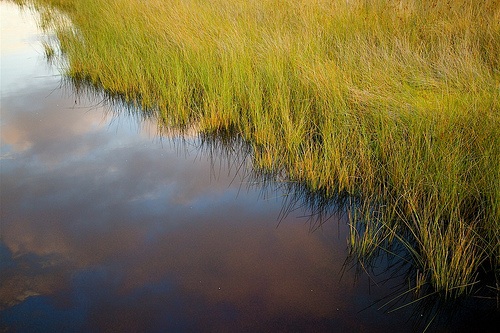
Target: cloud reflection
column 89, row 203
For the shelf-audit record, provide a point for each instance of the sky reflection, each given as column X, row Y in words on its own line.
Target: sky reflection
column 118, row 225
column 93, row 213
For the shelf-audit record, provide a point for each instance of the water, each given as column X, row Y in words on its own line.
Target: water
column 108, row 226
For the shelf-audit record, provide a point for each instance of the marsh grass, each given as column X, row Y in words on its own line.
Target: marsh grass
column 395, row 103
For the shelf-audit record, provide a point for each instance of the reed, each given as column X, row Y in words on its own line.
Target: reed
column 395, row 103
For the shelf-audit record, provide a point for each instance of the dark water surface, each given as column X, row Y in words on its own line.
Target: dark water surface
column 106, row 226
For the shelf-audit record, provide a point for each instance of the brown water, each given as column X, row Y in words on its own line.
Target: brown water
column 108, row 226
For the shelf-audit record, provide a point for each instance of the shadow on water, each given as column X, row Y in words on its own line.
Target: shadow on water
column 139, row 242
column 391, row 265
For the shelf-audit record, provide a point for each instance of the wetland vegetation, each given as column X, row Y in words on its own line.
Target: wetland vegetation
column 392, row 106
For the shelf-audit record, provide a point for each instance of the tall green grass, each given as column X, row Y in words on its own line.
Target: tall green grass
column 396, row 103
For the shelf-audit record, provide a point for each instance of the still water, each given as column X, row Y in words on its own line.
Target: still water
column 107, row 225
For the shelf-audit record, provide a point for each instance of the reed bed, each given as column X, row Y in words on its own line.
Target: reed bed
column 395, row 103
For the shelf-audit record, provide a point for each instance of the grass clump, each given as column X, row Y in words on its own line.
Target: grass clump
column 394, row 102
